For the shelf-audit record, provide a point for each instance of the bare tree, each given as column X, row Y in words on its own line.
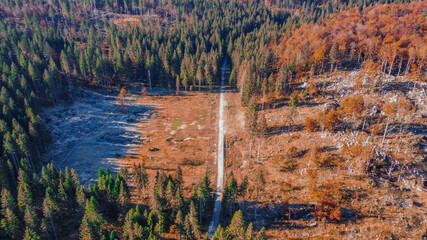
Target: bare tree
column 262, row 131
column 259, row 182
column 251, row 123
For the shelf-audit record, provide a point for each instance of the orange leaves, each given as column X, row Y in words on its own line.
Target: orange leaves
column 320, row 53
column 386, row 32
column 370, row 66
column 311, row 124
column 122, row 93
column 144, row 92
column 406, row 106
column 352, row 106
column 328, row 209
column 332, row 120
column 389, row 109
column 174, row 230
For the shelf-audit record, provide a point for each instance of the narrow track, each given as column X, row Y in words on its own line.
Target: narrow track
column 220, row 159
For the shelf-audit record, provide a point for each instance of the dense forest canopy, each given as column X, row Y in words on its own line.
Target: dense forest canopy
column 50, row 48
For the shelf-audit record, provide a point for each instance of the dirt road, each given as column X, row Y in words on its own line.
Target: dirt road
column 220, row 178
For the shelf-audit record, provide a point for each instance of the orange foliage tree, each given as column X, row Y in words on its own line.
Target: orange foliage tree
column 332, row 120
column 390, row 35
column 328, row 209
column 311, row 124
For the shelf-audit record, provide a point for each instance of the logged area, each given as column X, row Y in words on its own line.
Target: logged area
column 320, row 181
column 95, row 131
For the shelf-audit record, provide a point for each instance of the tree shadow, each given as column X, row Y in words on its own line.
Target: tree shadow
column 328, row 149
column 279, row 215
column 415, row 128
column 277, row 130
column 403, row 87
column 310, row 104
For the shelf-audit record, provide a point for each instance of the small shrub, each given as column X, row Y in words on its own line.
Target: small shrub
column 406, row 106
column 352, row 106
column 176, row 124
column 311, row 124
column 327, row 161
column 284, row 163
column 293, row 152
column 376, row 129
column 332, row 120
column 328, row 209
column 389, row 109
column 191, row 162
column 313, row 90
column 174, row 230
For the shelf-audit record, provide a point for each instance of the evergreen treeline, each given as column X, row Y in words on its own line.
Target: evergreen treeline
column 55, row 204
column 52, row 205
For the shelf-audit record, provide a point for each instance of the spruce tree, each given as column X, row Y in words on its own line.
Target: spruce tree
column 10, row 223
column 236, row 229
column 219, row 233
column 92, row 220
column 30, row 217
column 30, row 234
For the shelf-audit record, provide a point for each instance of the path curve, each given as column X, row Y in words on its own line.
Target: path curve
column 220, row 178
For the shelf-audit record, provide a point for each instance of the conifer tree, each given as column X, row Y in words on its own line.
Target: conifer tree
column 334, row 55
column 219, row 234
column 30, row 234
column 92, row 220
column 236, row 229
column 191, row 224
column 10, row 223
column 230, row 194
column 261, row 235
column 30, row 217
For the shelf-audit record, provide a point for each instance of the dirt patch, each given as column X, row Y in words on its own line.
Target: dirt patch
column 183, row 131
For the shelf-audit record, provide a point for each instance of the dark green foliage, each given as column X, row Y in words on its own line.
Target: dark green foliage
column 238, row 230
column 230, row 194
column 191, row 224
column 141, row 177
column 204, row 200
column 91, row 224
column 111, row 193
column 135, row 225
